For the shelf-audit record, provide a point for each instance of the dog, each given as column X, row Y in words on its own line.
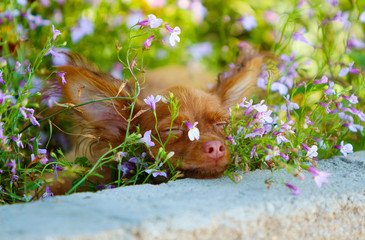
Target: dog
column 103, row 124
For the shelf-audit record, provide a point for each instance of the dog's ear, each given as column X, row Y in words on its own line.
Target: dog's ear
column 232, row 86
column 84, row 85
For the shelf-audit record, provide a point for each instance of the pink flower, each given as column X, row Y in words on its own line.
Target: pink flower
column 295, row 190
column 148, row 42
column 253, row 152
column 193, row 133
column 18, row 141
column 152, row 21
column 174, row 34
column 319, row 176
column 330, row 90
column 52, row 52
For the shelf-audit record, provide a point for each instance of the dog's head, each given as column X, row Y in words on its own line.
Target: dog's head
column 107, row 121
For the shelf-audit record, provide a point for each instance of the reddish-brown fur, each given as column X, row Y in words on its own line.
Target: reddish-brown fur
column 103, row 124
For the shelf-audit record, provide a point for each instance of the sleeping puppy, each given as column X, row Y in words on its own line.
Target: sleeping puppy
column 104, row 124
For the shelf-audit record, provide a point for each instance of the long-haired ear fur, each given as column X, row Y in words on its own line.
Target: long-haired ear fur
column 232, row 86
column 106, row 120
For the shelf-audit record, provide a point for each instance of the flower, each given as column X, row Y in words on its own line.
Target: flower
column 47, row 193
column 174, row 34
column 248, row 22
column 295, row 190
column 4, row 96
column 12, row 164
column 345, row 71
column 125, row 168
column 362, row 17
column 148, row 42
column 352, row 99
column 289, row 105
column 18, row 141
column 324, row 79
column 345, row 149
column 29, row 116
column 298, row 36
column 1, row 77
column 253, row 152
column 272, row 153
column 312, row 152
column 118, row 157
column 152, row 20
column 155, row 173
column 193, row 133
column 147, row 139
column 279, row 87
column 237, row 176
column 200, row 50
column 62, row 76
column 84, row 27
column 281, row 138
column 230, row 138
column 151, row 101
column 52, row 52
column 55, row 33
column 330, row 90
column 319, row 176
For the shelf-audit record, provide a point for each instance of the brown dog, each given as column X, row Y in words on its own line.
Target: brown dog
column 107, row 121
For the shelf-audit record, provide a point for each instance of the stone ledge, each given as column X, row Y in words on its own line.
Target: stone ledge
column 203, row 209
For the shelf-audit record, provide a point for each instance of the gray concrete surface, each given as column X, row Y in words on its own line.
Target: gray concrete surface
column 203, row 209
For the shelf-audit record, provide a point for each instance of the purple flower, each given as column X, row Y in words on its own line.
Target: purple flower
column 62, row 76
column 125, row 168
column 156, row 173
column 17, row 65
column 200, row 50
column 36, row 20
column 295, row 190
column 14, row 178
column 47, row 193
column 248, row 22
column 298, row 36
column 18, row 141
column 344, row 149
column 147, row 139
column 55, row 33
column 260, row 107
column 289, row 105
column 300, row 3
column 174, row 34
column 324, row 79
column 193, row 133
column 312, row 152
column 362, row 17
column 345, row 71
column 148, row 42
column 1, row 77
column 281, row 138
column 319, row 176
column 52, row 52
column 253, row 152
column 152, row 21
column 230, row 138
column 283, row 155
column 352, row 99
column 330, row 90
column 279, row 87
column 342, row 17
column 237, row 176
column 29, row 116
column 84, row 27
column 151, row 101
column 118, row 157
column 56, row 169
column 12, row 164
column 3, row 97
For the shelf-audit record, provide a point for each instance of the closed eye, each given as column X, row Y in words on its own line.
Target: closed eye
column 175, row 131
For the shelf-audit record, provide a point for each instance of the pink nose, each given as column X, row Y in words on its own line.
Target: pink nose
column 214, row 150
